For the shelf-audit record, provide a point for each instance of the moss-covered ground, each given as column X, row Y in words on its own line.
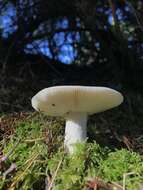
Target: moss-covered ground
column 31, row 145
column 32, row 156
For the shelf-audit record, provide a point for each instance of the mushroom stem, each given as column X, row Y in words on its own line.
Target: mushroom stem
column 75, row 130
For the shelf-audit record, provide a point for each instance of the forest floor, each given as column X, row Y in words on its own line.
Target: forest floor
column 31, row 145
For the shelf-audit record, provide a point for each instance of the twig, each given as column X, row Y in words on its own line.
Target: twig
column 98, row 183
column 18, row 178
column 7, row 57
column 124, row 178
column 10, row 169
column 55, row 174
column 112, row 6
column 45, row 60
column 135, row 14
column 33, row 140
column 48, row 180
column 127, row 142
column 117, row 185
column 4, row 158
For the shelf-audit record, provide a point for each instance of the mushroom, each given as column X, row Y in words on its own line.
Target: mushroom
column 75, row 104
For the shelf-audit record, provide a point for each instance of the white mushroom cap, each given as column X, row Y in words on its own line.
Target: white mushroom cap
column 60, row 100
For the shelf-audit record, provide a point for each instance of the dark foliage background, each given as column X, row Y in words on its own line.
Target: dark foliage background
column 44, row 43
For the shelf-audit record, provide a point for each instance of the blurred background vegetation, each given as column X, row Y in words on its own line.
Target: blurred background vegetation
column 71, row 42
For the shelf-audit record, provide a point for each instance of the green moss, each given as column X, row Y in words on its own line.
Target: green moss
column 123, row 164
column 37, row 149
